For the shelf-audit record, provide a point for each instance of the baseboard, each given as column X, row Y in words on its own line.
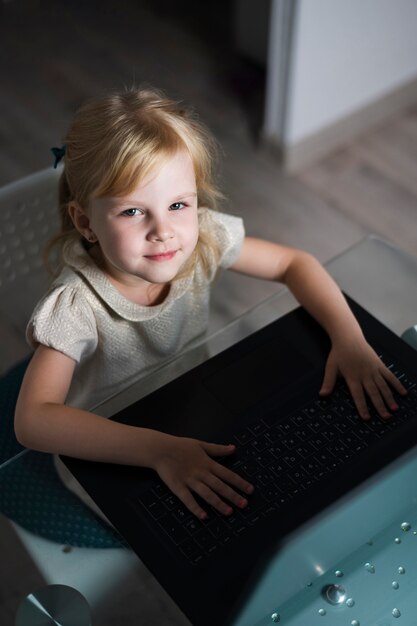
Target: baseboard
column 294, row 158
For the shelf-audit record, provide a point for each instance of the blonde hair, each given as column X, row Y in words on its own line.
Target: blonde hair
column 115, row 141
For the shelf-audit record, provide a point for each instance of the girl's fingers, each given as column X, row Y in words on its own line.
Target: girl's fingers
column 215, row 449
column 226, row 492
column 380, row 392
column 187, row 498
column 374, row 394
column 329, row 379
column 213, row 498
column 227, row 476
column 222, row 472
column 386, row 382
column 394, row 382
column 220, row 485
column 359, row 399
column 205, row 492
column 386, row 393
column 217, row 489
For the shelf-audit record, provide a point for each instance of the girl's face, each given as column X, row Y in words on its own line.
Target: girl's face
column 146, row 236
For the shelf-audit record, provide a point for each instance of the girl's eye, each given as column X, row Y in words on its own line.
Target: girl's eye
column 176, row 206
column 131, row 212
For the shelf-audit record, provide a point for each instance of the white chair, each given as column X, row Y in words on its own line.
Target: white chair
column 28, row 217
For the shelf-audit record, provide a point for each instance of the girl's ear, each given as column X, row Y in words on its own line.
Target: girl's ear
column 81, row 221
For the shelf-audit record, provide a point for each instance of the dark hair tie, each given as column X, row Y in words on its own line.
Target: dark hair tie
column 58, row 153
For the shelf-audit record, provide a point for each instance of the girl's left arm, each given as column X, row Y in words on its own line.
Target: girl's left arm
column 350, row 355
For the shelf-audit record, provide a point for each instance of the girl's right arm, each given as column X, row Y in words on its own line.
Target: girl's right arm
column 43, row 422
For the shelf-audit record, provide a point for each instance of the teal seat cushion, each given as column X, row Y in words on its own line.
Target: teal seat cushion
column 31, row 493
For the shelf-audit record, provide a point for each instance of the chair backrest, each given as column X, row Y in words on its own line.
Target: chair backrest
column 28, row 218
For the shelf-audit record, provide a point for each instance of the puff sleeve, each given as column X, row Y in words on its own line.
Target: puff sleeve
column 229, row 232
column 63, row 320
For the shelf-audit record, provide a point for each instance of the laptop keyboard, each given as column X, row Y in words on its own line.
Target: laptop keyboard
column 282, row 457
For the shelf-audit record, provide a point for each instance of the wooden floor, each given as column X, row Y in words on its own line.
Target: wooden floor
column 55, row 54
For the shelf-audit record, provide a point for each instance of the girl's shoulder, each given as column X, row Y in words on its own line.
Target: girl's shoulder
column 228, row 232
column 64, row 318
column 221, row 222
column 66, row 297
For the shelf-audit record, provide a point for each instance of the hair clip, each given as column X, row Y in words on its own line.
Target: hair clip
column 58, row 153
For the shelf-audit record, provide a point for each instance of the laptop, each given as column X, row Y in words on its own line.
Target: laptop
column 303, row 453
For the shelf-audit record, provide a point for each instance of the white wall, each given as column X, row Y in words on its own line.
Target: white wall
column 346, row 54
column 343, row 55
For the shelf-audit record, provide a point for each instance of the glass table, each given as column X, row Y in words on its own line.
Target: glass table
column 380, row 277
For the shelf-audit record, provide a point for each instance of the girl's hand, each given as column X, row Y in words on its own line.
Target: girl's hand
column 186, row 466
column 365, row 375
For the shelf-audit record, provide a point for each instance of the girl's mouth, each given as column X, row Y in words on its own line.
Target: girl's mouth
column 163, row 256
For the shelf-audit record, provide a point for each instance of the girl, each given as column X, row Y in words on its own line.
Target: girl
column 139, row 246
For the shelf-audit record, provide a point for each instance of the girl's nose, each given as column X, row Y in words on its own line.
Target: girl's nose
column 160, row 230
